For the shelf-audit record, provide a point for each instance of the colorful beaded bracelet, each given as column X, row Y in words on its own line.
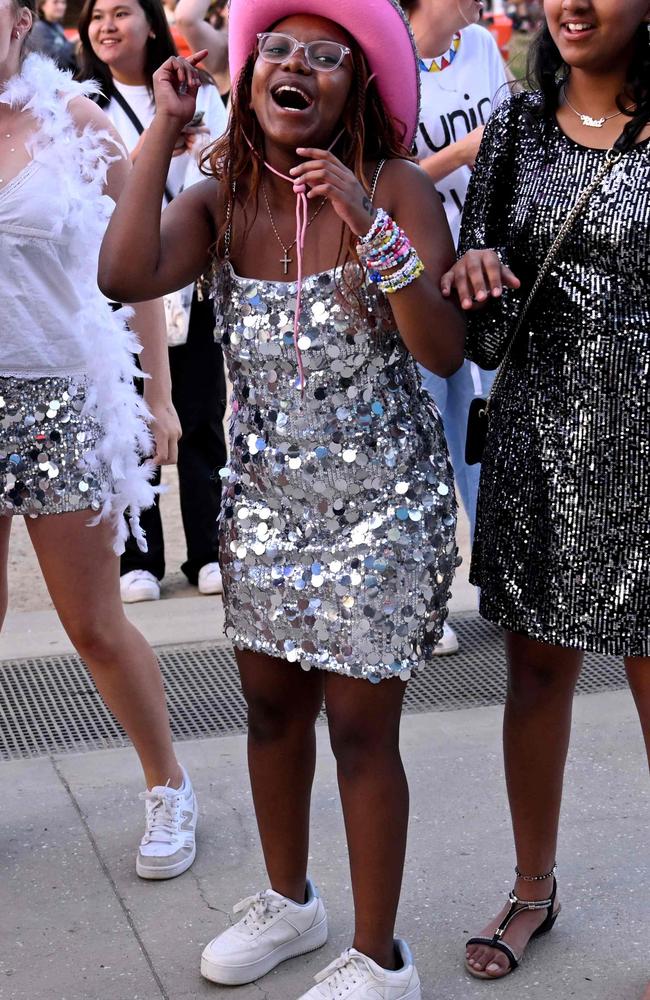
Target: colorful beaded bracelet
column 386, row 247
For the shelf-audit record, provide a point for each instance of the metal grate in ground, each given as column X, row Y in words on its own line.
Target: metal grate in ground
column 49, row 705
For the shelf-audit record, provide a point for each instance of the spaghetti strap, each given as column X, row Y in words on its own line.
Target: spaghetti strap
column 375, row 180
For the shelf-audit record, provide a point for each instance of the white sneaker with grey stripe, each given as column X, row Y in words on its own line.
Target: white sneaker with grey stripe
column 168, row 847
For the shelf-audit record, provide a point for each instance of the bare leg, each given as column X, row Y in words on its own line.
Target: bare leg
column 283, row 704
column 5, row 530
column 364, row 721
column 638, row 674
column 536, row 732
column 82, row 575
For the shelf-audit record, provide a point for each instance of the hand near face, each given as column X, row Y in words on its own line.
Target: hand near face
column 175, row 86
column 325, row 176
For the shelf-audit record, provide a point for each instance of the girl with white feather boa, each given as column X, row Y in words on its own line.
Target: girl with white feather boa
column 74, row 437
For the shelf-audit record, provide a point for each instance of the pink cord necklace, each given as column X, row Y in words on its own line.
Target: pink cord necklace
column 302, row 223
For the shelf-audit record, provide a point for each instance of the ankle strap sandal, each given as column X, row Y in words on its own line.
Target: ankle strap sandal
column 517, row 906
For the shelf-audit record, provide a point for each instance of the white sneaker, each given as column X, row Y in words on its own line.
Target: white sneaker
column 139, row 585
column 356, row 977
column 210, row 581
column 168, row 847
column 274, row 929
column 448, row 644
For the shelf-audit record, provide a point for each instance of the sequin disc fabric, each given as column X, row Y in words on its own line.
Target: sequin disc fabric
column 44, row 438
column 562, row 548
column 338, row 513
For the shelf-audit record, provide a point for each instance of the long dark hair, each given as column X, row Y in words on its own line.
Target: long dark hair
column 160, row 46
column 368, row 133
column 548, row 72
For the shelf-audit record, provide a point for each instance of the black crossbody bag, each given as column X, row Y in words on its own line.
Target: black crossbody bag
column 478, row 419
column 137, row 124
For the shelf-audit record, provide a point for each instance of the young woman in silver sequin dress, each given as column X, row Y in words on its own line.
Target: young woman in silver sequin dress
column 562, row 553
column 338, row 517
column 73, row 433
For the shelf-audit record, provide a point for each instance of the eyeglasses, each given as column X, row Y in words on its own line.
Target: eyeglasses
column 324, row 56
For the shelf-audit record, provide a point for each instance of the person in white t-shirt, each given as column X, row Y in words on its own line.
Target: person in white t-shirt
column 463, row 80
column 123, row 42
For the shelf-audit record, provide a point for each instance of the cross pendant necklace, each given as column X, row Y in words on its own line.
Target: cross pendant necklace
column 286, row 260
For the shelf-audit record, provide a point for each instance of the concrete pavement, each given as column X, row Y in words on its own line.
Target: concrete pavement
column 77, row 924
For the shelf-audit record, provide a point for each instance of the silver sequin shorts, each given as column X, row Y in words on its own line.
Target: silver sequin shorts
column 45, row 443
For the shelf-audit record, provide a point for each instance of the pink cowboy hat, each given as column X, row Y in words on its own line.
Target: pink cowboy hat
column 379, row 26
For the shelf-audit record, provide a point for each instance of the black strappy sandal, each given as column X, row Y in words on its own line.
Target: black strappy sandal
column 517, row 906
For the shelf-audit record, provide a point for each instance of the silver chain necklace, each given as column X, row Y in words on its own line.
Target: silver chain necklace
column 587, row 119
column 286, row 260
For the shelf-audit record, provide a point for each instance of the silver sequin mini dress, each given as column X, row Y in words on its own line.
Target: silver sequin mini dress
column 562, row 549
column 338, row 518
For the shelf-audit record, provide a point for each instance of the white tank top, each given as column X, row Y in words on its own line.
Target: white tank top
column 40, row 305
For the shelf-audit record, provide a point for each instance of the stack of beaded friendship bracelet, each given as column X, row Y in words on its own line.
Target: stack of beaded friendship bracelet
column 385, row 247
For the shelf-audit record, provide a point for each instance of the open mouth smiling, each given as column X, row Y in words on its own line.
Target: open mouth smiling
column 291, row 98
column 577, row 28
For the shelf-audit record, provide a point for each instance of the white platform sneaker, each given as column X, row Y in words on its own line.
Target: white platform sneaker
column 168, row 847
column 272, row 930
column 354, row 976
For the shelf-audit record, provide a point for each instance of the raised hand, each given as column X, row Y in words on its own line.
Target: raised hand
column 477, row 277
column 175, row 86
column 326, row 177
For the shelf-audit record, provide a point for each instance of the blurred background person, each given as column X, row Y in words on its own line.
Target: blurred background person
column 195, row 20
column 48, row 36
column 181, row 43
column 463, row 79
column 122, row 43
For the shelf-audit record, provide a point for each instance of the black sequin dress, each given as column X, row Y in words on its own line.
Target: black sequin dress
column 562, row 551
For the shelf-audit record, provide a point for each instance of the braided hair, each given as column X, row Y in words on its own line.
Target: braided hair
column 548, row 72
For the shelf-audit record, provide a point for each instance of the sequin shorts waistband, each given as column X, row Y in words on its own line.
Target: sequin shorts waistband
column 46, row 447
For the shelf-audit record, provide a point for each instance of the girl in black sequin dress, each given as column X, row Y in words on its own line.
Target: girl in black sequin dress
column 562, row 552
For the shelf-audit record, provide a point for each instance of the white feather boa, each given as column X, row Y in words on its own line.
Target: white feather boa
column 77, row 165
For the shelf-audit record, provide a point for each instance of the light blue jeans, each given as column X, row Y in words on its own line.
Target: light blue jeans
column 453, row 396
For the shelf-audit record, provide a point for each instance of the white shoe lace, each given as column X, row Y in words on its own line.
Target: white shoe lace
column 259, row 910
column 339, row 976
column 163, row 815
